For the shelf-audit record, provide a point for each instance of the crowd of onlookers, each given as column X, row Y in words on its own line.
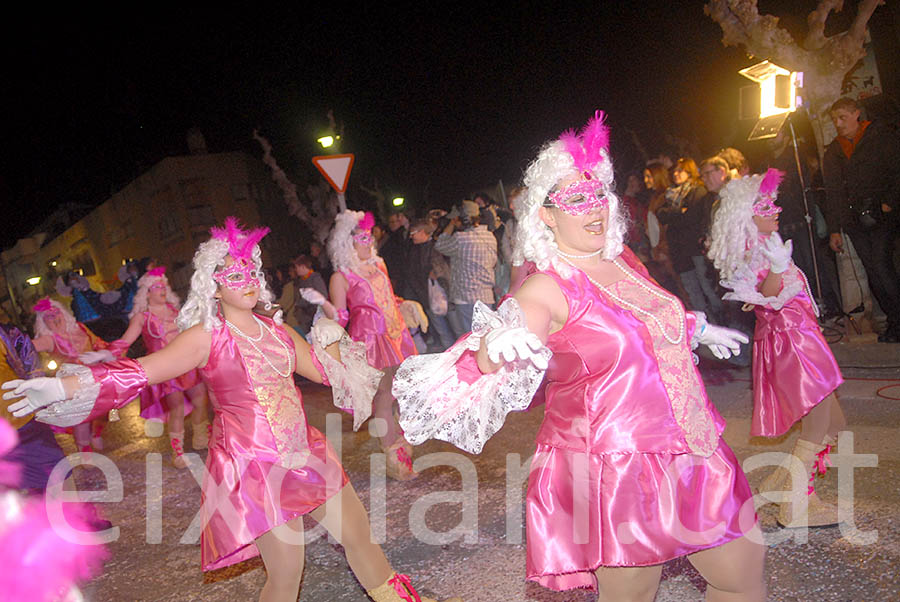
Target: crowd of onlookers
column 446, row 261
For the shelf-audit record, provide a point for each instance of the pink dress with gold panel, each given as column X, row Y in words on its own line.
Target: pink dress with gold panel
column 158, row 332
column 630, row 467
column 266, row 464
column 375, row 319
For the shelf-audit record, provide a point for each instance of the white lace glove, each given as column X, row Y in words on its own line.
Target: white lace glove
column 37, row 392
column 326, row 331
column 514, row 342
column 778, row 253
column 313, row 296
column 722, row 342
column 89, row 358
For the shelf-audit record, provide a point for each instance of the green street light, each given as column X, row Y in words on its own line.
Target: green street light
column 398, row 201
column 326, row 141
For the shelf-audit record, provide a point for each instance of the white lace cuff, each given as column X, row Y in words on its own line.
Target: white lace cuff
column 353, row 381
column 70, row 412
column 444, row 395
column 743, row 288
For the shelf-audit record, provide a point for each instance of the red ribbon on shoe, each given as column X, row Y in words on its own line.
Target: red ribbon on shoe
column 403, row 586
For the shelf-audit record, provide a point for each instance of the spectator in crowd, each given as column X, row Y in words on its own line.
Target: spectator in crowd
column 686, row 215
column 792, row 224
column 473, row 254
column 320, row 260
column 307, row 277
column 636, row 204
column 737, row 162
column 393, row 250
column 862, row 187
column 657, row 181
column 715, row 173
column 418, row 265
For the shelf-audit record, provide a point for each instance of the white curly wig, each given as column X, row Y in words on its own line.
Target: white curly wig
column 340, row 242
column 40, row 326
column 534, row 239
column 141, row 304
column 200, row 306
column 734, row 236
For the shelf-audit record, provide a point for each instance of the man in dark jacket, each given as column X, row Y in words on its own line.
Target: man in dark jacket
column 862, row 186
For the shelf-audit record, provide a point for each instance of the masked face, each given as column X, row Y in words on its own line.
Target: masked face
column 54, row 320
column 362, row 237
column 157, row 293
column 766, row 207
column 580, row 197
column 240, row 274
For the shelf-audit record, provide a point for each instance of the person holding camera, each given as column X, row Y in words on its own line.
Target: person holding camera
column 472, row 251
column 862, row 186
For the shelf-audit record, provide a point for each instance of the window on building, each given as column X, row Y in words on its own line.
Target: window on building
column 201, row 216
column 168, row 226
column 83, row 263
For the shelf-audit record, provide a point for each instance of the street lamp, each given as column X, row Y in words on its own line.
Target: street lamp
column 326, row 141
column 34, row 280
column 398, row 201
column 778, row 99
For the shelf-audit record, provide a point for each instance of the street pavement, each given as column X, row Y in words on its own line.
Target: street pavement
column 471, row 544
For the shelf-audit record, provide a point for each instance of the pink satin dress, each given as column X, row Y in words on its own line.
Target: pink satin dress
column 266, row 465
column 630, row 468
column 66, row 351
column 375, row 319
column 158, row 332
column 793, row 367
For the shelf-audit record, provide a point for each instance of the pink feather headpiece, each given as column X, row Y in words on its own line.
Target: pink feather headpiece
column 768, row 191
column 160, row 271
column 585, row 146
column 43, row 305
column 240, row 242
column 367, row 222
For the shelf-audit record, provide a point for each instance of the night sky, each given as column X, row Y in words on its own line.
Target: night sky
column 435, row 101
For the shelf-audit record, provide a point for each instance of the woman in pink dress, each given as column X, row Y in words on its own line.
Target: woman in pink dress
column 69, row 341
column 361, row 295
column 630, row 469
column 153, row 318
column 266, row 466
column 795, row 374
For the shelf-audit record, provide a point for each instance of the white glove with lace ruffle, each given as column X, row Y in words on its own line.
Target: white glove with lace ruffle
column 313, row 296
column 777, row 252
column 326, row 331
column 722, row 342
column 515, row 342
column 37, row 392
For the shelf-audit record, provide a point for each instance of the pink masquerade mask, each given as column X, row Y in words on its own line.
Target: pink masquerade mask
column 768, row 191
column 242, row 273
column 579, row 198
column 363, row 237
column 363, row 234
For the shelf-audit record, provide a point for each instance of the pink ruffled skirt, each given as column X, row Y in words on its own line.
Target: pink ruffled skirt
column 153, row 404
column 793, row 367
column 586, row 510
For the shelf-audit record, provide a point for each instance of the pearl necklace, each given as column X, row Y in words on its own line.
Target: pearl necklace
column 628, row 274
column 150, row 325
column 568, row 256
column 262, row 330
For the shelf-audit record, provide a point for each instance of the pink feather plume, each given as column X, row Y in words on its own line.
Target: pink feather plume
column 585, row 146
column 160, row 271
column 240, row 243
column 367, row 222
column 770, row 182
column 43, row 305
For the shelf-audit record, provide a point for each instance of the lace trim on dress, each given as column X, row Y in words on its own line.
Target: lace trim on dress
column 435, row 403
column 70, row 412
column 745, row 280
column 353, row 381
column 676, row 369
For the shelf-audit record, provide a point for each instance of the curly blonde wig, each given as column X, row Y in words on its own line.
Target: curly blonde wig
column 40, row 326
column 734, row 236
column 141, row 303
column 534, row 239
column 200, row 306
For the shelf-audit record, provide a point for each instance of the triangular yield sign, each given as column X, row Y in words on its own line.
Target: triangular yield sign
column 335, row 168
